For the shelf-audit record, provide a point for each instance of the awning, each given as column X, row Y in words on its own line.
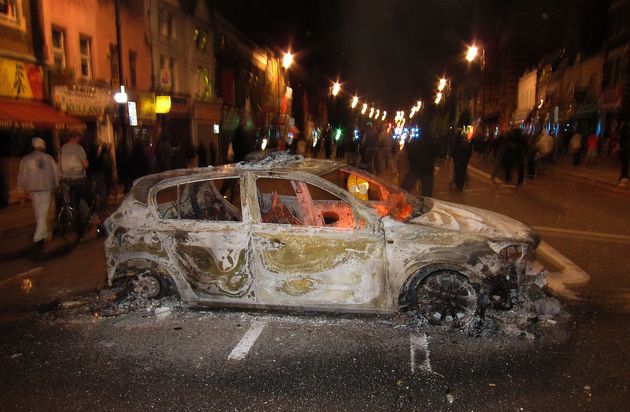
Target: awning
column 24, row 114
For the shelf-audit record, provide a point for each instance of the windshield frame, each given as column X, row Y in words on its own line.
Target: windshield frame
column 420, row 204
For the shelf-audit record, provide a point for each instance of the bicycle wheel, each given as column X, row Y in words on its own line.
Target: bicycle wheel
column 65, row 224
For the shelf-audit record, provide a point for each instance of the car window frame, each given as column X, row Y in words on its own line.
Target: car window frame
column 361, row 211
column 182, row 180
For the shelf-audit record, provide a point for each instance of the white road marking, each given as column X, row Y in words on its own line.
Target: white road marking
column 21, row 275
column 247, row 341
column 420, row 345
column 600, row 236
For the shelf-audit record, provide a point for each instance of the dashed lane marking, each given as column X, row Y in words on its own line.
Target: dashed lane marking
column 597, row 236
column 247, row 341
column 419, row 347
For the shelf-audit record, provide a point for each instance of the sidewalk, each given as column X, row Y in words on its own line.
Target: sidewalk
column 17, row 224
column 605, row 173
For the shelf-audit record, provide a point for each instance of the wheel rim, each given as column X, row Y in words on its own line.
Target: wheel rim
column 447, row 298
column 145, row 286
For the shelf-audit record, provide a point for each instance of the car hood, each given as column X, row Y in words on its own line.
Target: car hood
column 446, row 215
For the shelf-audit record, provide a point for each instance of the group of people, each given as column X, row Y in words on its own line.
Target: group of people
column 39, row 175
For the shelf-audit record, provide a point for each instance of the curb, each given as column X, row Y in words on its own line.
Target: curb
column 567, row 274
column 562, row 174
column 611, row 187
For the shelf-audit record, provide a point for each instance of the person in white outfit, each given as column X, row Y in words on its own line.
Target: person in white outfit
column 37, row 178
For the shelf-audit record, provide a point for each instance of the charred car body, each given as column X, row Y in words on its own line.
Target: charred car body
column 288, row 232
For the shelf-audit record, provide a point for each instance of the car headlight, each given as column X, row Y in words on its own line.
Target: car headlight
column 512, row 253
column 509, row 252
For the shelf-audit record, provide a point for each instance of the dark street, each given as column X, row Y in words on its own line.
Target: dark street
column 185, row 359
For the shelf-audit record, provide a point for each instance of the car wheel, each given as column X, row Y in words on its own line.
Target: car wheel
column 446, row 298
column 146, row 286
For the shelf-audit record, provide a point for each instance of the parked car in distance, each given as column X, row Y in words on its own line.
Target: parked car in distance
column 288, row 232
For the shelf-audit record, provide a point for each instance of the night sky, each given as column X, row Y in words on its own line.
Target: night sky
column 393, row 51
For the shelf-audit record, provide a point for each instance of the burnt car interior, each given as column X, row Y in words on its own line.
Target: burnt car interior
column 299, row 203
column 385, row 200
column 207, row 200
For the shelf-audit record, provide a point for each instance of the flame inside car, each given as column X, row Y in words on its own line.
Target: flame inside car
column 395, row 206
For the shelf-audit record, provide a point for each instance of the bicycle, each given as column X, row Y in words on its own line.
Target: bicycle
column 73, row 220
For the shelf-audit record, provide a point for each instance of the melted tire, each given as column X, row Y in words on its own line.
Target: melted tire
column 146, row 286
column 446, row 298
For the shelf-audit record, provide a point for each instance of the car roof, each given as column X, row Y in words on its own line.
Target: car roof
column 272, row 162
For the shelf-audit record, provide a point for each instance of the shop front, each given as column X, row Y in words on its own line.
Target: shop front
column 21, row 120
column 177, row 124
column 207, row 128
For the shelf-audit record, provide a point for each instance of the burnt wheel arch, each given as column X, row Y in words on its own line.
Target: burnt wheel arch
column 137, row 268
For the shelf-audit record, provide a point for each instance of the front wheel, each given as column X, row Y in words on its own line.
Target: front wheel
column 447, row 298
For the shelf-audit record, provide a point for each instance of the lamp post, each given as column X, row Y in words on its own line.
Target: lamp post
column 287, row 61
column 122, row 96
column 471, row 54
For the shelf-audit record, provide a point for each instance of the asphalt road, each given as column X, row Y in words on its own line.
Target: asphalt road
column 180, row 359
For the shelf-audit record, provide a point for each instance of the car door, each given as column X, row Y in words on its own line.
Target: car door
column 312, row 247
column 207, row 236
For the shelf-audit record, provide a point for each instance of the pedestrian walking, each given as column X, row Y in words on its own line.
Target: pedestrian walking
column 73, row 165
column 37, row 178
column 370, row 150
column 421, row 153
column 575, row 147
column 164, row 153
column 591, row 148
column 532, row 153
column 327, row 141
column 544, row 150
column 624, row 152
column 511, row 153
column 138, row 163
column 107, row 164
column 460, row 151
column 385, row 160
column 351, row 148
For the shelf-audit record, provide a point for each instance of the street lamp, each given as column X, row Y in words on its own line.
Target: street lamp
column 355, row 101
column 287, row 60
column 364, row 108
column 441, row 84
column 336, row 88
column 471, row 54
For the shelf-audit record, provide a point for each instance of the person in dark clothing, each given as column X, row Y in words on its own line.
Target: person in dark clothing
column 164, row 155
column 240, row 144
column 370, row 150
column 511, row 154
column 624, row 152
column 421, row 154
column 327, row 137
column 4, row 189
column 202, row 155
column 460, row 151
column 138, row 164
column 213, row 154
column 107, row 165
column 351, row 147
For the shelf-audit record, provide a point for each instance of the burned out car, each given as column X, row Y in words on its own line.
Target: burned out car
column 289, row 232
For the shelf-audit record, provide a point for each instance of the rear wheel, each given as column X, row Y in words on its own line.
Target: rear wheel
column 446, row 298
column 65, row 225
column 146, row 286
